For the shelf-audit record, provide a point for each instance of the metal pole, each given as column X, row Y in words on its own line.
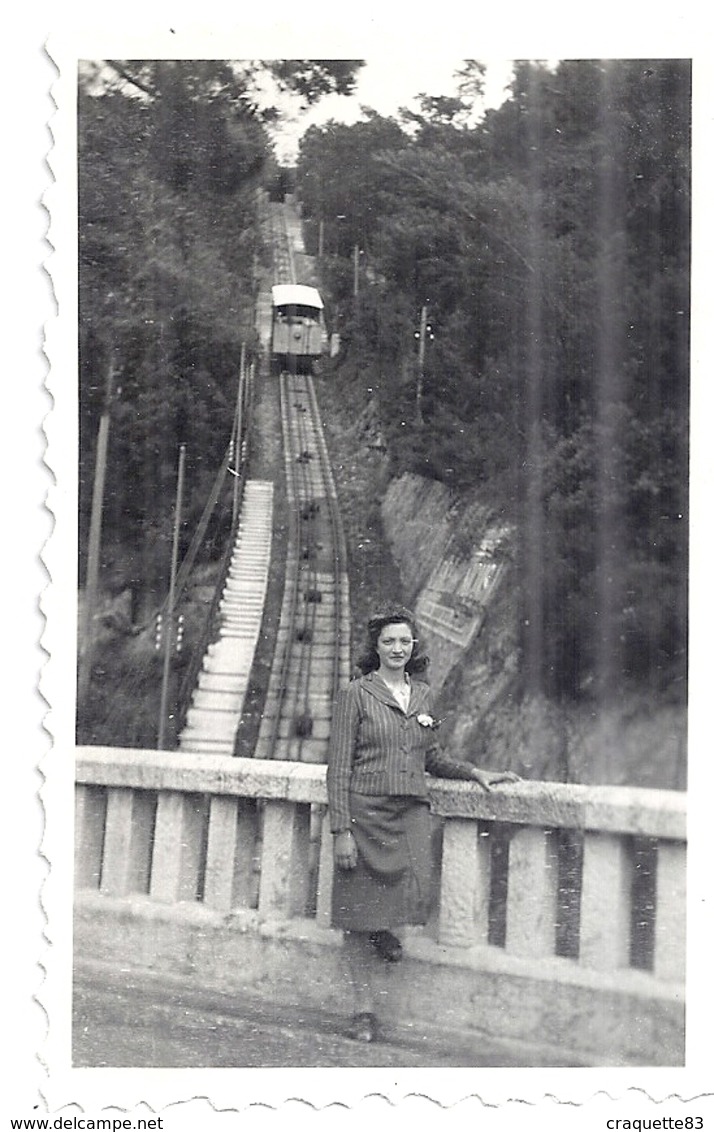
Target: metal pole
column 356, row 271
column 238, row 428
column 91, row 587
column 169, row 632
column 338, row 229
column 420, row 365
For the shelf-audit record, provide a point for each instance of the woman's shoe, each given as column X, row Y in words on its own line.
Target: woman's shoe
column 386, row 945
column 364, row 1028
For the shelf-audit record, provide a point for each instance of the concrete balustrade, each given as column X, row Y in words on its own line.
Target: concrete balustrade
column 238, row 841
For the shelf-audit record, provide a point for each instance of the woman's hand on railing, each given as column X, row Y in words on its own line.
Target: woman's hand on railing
column 345, row 850
column 488, row 778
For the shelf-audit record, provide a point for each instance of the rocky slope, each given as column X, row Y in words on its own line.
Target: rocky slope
column 448, row 558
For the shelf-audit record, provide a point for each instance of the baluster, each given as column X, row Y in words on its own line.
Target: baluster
column 465, row 884
column 670, row 911
column 246, row 863
column 193, row 846
column 324, row 879
column 143, row 821
column 284, row 867
column 605, row 902
column 166, row 864
column 117, row 842
column 178, row 846
column 89, row 825
column 532, row 893
column 230, row 872
column 299, row 891
column 220, row 852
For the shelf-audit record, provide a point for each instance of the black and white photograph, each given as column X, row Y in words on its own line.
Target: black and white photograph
column 370, row 619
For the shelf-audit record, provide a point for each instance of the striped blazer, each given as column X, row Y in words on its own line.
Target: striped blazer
column 377, row 748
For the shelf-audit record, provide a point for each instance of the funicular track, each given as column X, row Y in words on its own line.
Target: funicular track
column 311, row 658
column 283, row 256
column 310, row 654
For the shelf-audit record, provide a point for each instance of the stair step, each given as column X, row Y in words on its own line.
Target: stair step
column 218, row 682
column 191, row 744
column 211, row 699
column 215, row 711
column 211, row 724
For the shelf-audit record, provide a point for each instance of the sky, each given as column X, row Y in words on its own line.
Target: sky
column 385, row 86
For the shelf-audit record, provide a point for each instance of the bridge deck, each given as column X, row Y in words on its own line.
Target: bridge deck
column 143, row 1020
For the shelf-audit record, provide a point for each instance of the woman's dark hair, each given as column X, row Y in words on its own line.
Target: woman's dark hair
column 391, row 615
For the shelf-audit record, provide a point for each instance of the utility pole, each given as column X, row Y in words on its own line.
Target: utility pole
column 340, row 216
column 236, row 445
column 356, row 255
column 321, row 239
column 420, row 366
column 169, row 620
column 425, row 331
column 91, row 586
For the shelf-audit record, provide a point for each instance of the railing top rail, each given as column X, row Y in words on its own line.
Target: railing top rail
column 556, row 805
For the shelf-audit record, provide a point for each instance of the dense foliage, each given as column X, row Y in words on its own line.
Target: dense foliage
column 172, row 156
column 550, row 243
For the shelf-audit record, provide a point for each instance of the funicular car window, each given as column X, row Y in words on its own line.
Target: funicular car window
column 297, row 310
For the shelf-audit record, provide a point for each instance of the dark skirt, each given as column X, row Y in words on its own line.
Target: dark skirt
column 391, row 884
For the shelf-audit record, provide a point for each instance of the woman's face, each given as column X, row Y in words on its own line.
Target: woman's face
column 395, row 644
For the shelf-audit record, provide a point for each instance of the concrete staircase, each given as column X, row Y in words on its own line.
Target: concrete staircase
column 217, row 702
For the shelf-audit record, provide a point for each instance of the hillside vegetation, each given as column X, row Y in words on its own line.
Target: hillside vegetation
column 173, row 160
column 550, row 245
column 547, row 243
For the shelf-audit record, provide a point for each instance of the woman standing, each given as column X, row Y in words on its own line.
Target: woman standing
column 381, row 744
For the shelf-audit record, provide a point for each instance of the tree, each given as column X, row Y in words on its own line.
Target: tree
column 312, row 79
column 172, row 155
column 551, row 241
column 340, row 178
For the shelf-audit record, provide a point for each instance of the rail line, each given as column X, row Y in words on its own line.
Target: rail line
column 311, row 658
column 312, row 649
column 283, row 257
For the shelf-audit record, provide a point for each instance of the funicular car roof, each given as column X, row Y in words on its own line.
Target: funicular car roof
column 288, row 294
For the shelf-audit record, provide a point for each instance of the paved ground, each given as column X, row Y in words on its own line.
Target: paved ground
column 146, row 1021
